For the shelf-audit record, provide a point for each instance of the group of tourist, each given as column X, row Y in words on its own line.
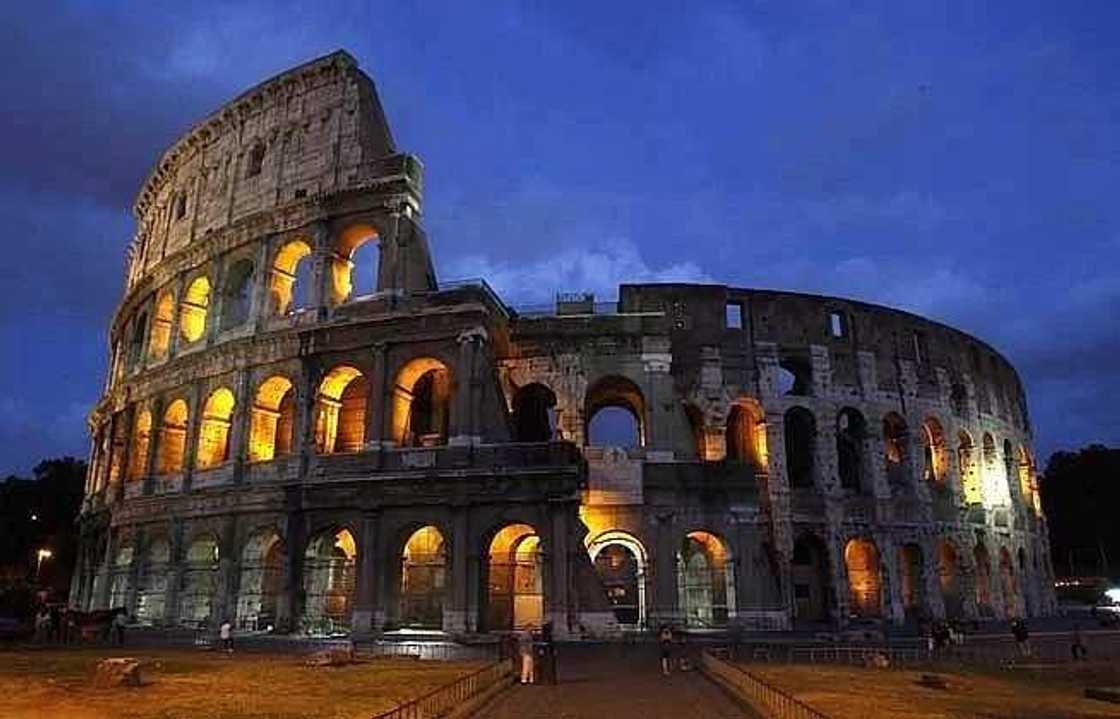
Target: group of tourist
column 536, row 650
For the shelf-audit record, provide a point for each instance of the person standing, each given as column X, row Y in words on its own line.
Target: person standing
column 226, row 634
column 1022, row 637
column 118, row 628
column 665, row 639
column 1078, row 649
column 525, row 650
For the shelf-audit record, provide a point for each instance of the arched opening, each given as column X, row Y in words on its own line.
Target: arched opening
column 910, row 579
column 1010, row 466
column 966, row 465
column 200, row 579
column 120, row 582
column 795, row 377
column 851, row 438
column 515, row 579
column 423, row 579
column 421, row 403
column 615, row 412
column 261, row 585
column 290, row 283
column 896, row 439
column 172, row 438
column 192, row 312
column 213, row 432
column 948, row 576
column 329, row 573
column 746, row 434
column 705, row 581
column 534, row 413
column 809, row 568
column 1008, row 584
column 159, row 341
column 136, row 341
column 933, row 452
column 800, row 431
column 865, row 586
column 620, row 561
column 355, row 265
column 340, row 411
column 141, row 440
column 273, row 419
column 151, row 591
column 983, row 564
column 1027, row 483
column 237, row 295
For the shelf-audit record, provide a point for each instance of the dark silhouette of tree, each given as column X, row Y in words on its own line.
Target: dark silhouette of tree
column 1081, row 496
column 40, row 513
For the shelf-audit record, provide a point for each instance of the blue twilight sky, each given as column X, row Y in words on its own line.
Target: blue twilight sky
column 960, row 160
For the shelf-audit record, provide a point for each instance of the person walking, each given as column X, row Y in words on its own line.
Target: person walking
column 525, row 650
column 1022, row 637
column 225, row 632
column 665, row 639
column 119, row 620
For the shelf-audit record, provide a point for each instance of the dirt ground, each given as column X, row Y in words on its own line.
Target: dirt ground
column 55, row 684
column 858, row 693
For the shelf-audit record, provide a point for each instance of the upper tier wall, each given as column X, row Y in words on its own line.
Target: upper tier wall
column 299, row 134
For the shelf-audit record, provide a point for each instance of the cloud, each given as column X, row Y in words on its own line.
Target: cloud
column 575, row 269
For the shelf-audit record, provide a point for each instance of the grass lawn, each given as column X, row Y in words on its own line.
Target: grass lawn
column 858, row 693
column 55, row 684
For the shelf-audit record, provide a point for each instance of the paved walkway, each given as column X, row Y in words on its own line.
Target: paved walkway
column 615, row 682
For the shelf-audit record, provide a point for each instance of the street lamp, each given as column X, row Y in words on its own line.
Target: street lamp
column 41, row 554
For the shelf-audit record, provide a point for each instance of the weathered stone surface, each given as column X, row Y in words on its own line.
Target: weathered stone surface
column 333, row 657
column 117, row 672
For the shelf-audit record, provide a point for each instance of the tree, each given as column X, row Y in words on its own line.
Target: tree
column 1080, row 496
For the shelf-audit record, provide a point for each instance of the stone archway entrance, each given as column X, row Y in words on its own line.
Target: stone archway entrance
column 515, row 579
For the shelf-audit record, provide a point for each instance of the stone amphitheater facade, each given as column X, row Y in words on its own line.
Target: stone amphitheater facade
column 276, row 446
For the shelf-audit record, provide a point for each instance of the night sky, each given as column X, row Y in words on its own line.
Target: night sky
column 960, row 162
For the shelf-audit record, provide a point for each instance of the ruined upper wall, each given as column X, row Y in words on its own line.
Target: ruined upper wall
column 304, row 132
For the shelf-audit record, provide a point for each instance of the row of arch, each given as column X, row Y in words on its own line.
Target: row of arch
column 854, row 468
column 866, row 579
column 419, row 416
column 419, row 579
column 288, row 280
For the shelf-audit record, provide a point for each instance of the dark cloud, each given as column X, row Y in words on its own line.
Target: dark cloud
column 960, row 165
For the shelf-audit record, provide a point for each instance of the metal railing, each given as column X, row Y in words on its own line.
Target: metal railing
column 767, row 700
column 439, row 702
column 429, row 651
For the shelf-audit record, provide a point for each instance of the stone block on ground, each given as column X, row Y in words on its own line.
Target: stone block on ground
column 1104, row 694
column 117, row 672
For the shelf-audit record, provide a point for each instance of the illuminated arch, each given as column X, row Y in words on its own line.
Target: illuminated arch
column 421, row 403
column 705, row 580
column 172, row 438
column 911, row 589
column 515, row 579
column 348, row 243
column 141, row 440
column 213, row 431
column 983, row 565
column 948, row 575
column 933, row 447
column 620, row 561
column 615, row 400
column 423, row 588
column 159, row 340
column 329, row 573
column 152, row 580
column 896, row 440
column 865, row 583
column 1008, row 584
column 273, row 419
column 810, row 577
column 1028, row 483
column 288, row 281
column 746, row 434
column 192, row 312
column 340, row 411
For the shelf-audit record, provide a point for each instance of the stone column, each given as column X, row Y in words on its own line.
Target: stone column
column 105, row 571
column 239, row 433
column 369, row 610
column 307, row 389
column 464, row 428
column 194, row 425
column 176, row 316
column 665, row 605
column 224, row 604
column 890, row 574
column 558, row 599
column 156, row 408
column 290, row 606
column 174, row 571
column 931, row 579
column 262, row 274
column 322, row 252
column 217, row 299
column 378, row 403
column 456, row 614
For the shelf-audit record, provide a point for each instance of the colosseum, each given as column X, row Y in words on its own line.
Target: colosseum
column 304, row 431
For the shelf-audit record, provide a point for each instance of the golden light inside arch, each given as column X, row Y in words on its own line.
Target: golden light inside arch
column 192, row 315
column 271, row 424
column 283, row 279
column 403, row 395
column 172, row 438
column 160, row 341
column 342, row 266
column 340, row 411
column 213, row 433
column 141, row 441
